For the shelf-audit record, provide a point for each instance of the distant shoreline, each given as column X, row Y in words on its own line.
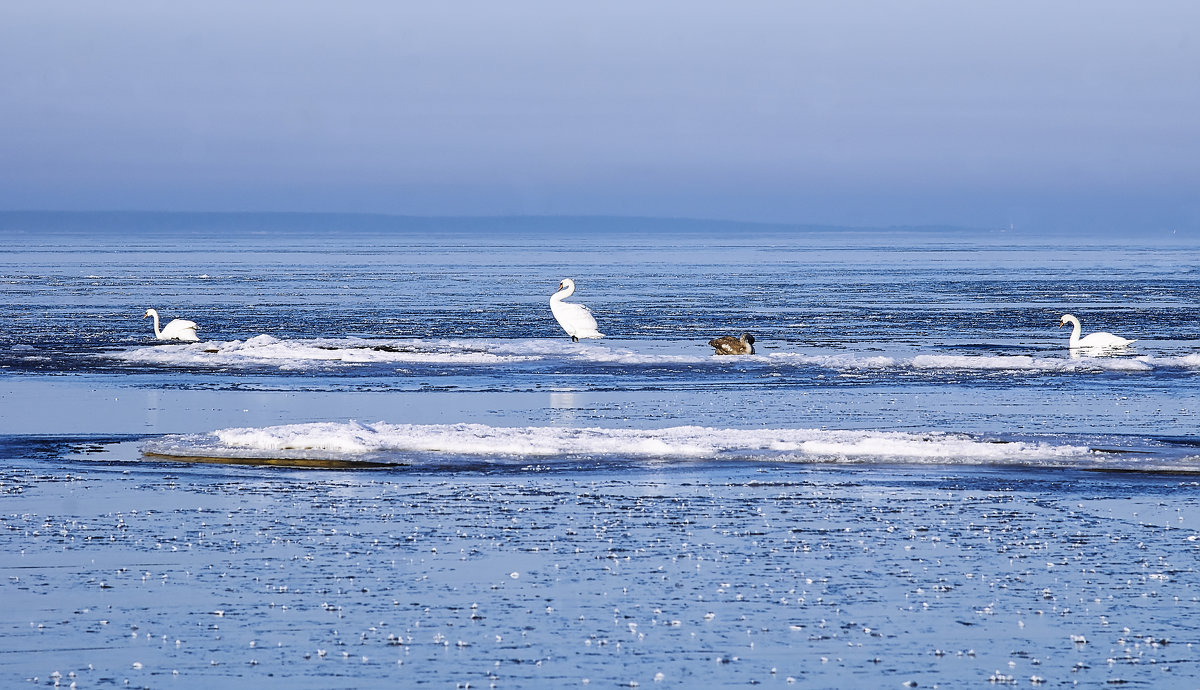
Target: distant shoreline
column 288, row 220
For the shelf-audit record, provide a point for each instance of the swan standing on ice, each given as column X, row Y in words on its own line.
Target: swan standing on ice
column 575, row 319
column 730, row 345
column 1094, row 341
column 177, row 329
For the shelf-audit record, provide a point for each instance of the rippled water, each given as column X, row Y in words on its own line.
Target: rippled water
column 901, row 330
column 912, row 481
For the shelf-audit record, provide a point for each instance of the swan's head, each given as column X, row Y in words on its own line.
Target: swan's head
column 566, row 284
column 1067, row 319
column 149, row 313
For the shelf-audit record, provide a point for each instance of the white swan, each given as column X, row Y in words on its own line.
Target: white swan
column 177, row 329
column 730, row 345
column 575, row 319
column 1094, row 341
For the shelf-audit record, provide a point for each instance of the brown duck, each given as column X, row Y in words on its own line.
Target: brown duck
column 730, row 345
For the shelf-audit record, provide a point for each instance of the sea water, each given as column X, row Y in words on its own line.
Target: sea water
column 385, row 464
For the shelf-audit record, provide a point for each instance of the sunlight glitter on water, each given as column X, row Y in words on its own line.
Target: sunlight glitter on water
column 728, row 576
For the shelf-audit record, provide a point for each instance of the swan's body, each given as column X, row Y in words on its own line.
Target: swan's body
column 176, row 329
column 1093, row 341
column 575, row 319
column 730, row 345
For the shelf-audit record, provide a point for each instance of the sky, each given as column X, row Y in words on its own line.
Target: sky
column 1072, row 114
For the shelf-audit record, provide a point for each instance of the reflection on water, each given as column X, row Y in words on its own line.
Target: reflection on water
column 563, row 401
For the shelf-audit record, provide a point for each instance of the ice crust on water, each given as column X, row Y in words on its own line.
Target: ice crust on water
column 315, row 352
column 266, row 349
column 1027, row 363
column 349, row 439
column 844, row 361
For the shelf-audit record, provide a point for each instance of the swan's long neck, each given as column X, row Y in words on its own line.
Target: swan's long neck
column 157, row 333
column 1074, row 332
column 563, row 293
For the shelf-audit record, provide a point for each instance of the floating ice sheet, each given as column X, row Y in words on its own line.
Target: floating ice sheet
column 387, row 443
column 322, row 352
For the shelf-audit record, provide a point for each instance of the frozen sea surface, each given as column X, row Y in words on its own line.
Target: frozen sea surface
column 384, row 465
column 136, row 574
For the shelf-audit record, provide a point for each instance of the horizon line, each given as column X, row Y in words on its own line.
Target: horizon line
column 501, row 216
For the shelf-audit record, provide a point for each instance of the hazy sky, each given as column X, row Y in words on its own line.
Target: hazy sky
column 1037, row 113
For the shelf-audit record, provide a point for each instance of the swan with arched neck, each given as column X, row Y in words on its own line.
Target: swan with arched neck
column 1093, row 342
column 575, row 319
column 176, row 329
